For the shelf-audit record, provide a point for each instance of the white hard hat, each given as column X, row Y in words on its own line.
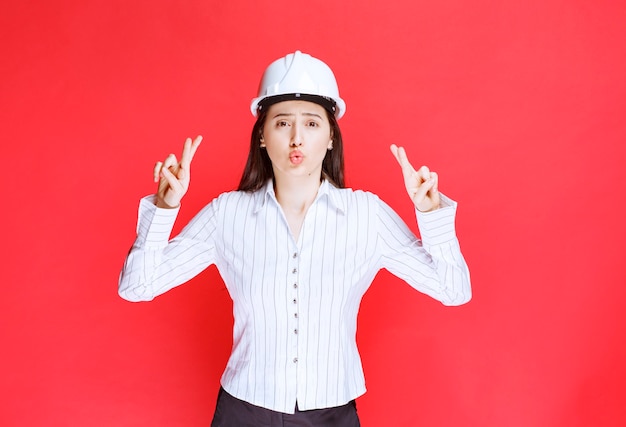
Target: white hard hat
column 299, row 76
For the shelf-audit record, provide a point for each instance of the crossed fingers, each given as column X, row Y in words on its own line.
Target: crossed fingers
column 171, row 168
column 173, row 176
column 421, row 184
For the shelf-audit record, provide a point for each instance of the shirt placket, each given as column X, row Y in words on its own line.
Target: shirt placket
column 294, row 320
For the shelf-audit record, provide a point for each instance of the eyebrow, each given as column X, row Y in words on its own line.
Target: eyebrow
column 291, row 114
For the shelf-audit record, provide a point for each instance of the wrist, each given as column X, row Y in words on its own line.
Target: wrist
column 162, row 205
column 434, row 208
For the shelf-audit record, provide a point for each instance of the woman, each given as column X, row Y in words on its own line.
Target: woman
column 297, row 251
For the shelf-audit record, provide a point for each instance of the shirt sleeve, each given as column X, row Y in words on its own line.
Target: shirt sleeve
column 433, row 265
column 155, row 264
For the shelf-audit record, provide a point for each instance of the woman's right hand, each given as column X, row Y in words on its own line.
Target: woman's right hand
column 174, row 176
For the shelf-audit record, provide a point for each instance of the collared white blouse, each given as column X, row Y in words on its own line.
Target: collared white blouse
column 296, row 302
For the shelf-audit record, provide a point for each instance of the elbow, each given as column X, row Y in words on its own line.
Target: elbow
column 131, row 288
column 459, row 299
column 131, row 294
column 460, row 292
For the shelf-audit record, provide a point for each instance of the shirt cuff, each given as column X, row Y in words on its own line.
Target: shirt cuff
column 154, row 225
column 437, row 226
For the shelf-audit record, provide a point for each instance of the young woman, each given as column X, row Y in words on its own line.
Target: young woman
column 297, row 251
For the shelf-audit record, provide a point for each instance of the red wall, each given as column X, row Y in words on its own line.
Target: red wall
column 518, row 105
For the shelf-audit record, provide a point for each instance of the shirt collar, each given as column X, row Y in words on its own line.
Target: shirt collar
column 326, row 189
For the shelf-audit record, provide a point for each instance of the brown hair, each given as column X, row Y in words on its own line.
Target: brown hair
column 259, row 170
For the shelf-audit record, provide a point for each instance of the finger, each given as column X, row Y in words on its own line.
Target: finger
column 171, row 180
column 157, row 171
column 186, row 151
column 423, row 190
column 195, row 144
column 403, row 160
column 171, row 163
column 424, row 173
column 189, row 150
column 435, row 177
column 394, row 151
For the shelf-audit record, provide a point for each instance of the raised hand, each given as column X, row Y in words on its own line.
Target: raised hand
column 421, row 184
column 174, row 176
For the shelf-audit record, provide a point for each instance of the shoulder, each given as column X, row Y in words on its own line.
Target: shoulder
column 349, row 198
column 225, row 207
column 230, row 199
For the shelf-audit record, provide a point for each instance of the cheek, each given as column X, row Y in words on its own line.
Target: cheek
column 275, row 152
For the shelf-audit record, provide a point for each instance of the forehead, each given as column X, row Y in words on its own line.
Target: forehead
column 296, row 107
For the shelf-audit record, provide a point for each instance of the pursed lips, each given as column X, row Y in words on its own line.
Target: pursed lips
column 296, row 157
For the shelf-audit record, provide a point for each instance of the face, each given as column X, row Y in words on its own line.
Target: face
column 297, row 136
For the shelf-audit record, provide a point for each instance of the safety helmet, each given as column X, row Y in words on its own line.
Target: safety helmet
column 299, row 76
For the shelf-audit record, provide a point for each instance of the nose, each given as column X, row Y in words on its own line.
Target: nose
column 296, row 137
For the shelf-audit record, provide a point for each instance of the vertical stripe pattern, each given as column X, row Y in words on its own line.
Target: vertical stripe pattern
column 295, row 303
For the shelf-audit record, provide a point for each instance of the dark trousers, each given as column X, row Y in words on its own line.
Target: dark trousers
column 233, row 412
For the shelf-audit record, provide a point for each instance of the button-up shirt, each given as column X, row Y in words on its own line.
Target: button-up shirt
column 295, row 303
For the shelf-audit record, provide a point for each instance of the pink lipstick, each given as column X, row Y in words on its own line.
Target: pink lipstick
column 296, row 157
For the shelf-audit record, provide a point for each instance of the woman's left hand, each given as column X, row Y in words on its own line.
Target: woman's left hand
column 421, row 184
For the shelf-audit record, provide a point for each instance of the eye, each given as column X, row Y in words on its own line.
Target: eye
column 313, row 124
column 282, row 123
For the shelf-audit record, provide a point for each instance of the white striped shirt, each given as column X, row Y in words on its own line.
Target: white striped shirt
column 296, row 302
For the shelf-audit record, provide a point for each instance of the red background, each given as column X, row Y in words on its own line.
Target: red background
column 518, row 105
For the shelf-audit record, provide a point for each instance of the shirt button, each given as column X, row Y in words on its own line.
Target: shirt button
column 295, row 331
column 294, row 271
column 295, row 301
column 295, row 360
column 295, row 315
column 295, row 286
column 295, row 254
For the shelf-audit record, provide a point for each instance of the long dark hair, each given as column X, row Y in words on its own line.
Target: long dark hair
column 259, row 170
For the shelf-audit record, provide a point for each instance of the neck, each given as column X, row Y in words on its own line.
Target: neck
column 296, row 195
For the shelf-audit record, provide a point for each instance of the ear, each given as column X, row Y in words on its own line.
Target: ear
column 330, row 144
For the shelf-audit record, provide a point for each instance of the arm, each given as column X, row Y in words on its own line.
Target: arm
column 153, row 265
column 433, row 265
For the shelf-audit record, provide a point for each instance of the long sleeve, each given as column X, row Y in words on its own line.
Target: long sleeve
column 155, row 265
column 295, row 302
column 433, row 265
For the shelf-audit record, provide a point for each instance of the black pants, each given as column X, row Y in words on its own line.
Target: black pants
column 232, row 412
